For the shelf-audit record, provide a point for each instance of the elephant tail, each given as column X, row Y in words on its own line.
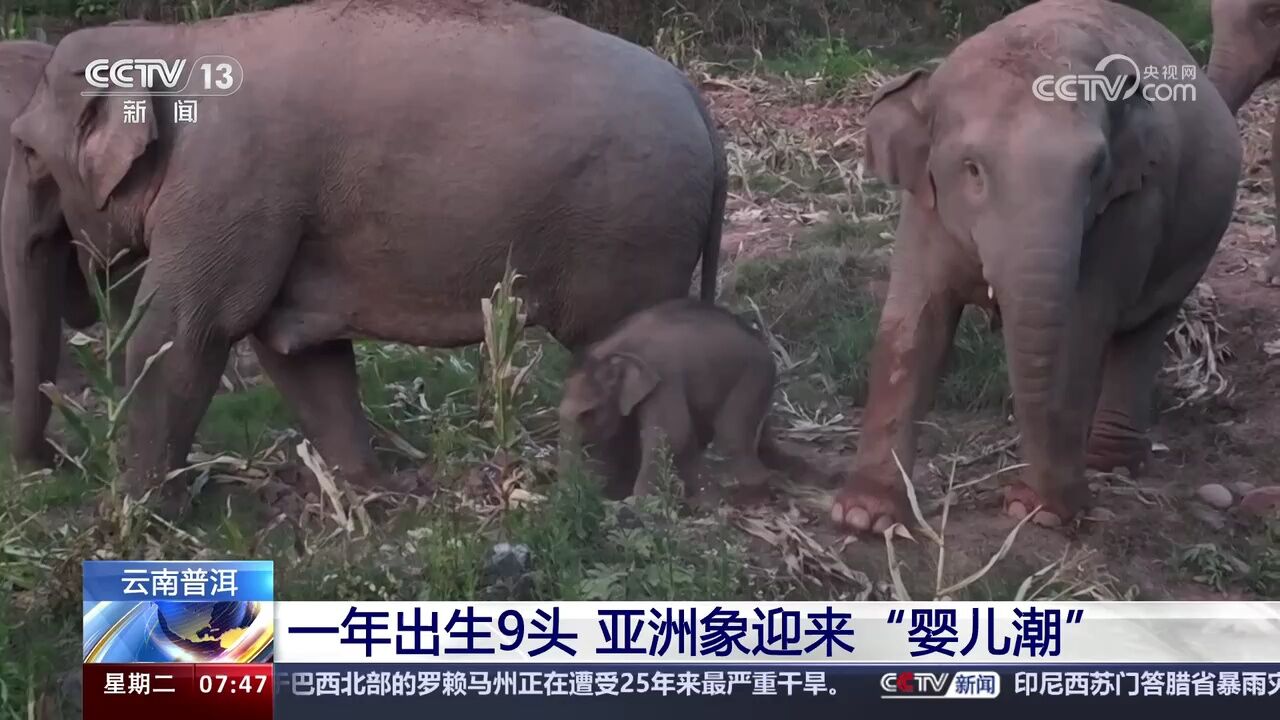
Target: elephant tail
column 719, row 195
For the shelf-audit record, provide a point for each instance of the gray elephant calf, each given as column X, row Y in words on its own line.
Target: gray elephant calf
column 686, row 373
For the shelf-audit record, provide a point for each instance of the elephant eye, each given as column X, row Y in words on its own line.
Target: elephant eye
column 972, row 168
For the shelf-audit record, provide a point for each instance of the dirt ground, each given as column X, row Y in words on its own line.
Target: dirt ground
column 1148, row 538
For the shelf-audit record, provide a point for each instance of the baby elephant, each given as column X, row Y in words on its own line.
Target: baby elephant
column 684, row 371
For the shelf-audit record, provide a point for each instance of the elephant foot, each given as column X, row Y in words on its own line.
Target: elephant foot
column 170, row 499
column 1269, row 273
column 864, row 505
column 34, row 456
column 1128, row 451
column 1020, row 499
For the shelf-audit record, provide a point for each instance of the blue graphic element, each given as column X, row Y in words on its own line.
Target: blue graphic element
column 185, row 632
column 210, row 581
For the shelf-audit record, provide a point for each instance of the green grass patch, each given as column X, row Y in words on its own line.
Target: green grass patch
column 1188, row 19
column 831, row 60
column 1250, row 560
column 241, row 422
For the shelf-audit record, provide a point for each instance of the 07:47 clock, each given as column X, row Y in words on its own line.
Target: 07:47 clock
column 249, row 683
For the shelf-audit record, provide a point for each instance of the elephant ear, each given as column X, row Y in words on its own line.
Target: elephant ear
column 1133, row 148
column 636, row 381
column 897, row 145
column 109, row 146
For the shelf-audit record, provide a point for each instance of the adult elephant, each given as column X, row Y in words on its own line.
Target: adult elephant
column 21, row 65
column 370, row 182
column 1087, row 221
column 1246, row 54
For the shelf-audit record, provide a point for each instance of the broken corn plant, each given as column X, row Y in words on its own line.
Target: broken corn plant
column 99, row 458
column 504, row 324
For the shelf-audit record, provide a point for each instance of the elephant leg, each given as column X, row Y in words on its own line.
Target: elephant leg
column 738, row 429
column 1055, row 422
column 616, row 463
column 6, row 359
column 917, row 325
column 665, row 423
column 171, row 397
column 1124, row 415
column 321, row 386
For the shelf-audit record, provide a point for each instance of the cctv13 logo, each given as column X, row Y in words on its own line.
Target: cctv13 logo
column 964, row 684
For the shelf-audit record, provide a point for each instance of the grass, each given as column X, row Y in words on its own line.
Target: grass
column 830, row 62
column 1250, row 559
column 1188, row 19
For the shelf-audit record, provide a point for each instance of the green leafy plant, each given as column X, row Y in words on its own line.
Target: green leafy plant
column 507, row 364
column 98, row 455
column 195, row 10
column 677, row 37
column 86, row 9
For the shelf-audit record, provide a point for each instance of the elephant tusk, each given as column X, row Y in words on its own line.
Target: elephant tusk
column 991, row 293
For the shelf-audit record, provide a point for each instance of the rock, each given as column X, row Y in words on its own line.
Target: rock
column 628, row 518
column 1215, row 519
column 1243, row 488
column 507, row 561
column 507, row 574
column 1215, row 495
column 1263, row 502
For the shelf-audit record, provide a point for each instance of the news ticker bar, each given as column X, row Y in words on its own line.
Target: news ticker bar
column 322, row 691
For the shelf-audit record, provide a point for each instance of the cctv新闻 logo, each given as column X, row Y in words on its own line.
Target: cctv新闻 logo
column 134, row 74
column 963, row 684
column 1118, row 86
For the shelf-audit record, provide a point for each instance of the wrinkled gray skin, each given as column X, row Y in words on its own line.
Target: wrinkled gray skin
column 1246, row 54
column 368, row 180
column 685, row 373
column 1088, row 223
column 21, row 66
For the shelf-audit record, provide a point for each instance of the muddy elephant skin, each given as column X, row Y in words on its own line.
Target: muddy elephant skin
column 1246, row 54
column 1088, row 221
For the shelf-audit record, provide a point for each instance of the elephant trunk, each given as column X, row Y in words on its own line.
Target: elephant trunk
column 34, row 264
column 1234, row 75
column 1035, row 286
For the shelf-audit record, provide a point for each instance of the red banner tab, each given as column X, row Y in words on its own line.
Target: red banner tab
column 165, row 691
